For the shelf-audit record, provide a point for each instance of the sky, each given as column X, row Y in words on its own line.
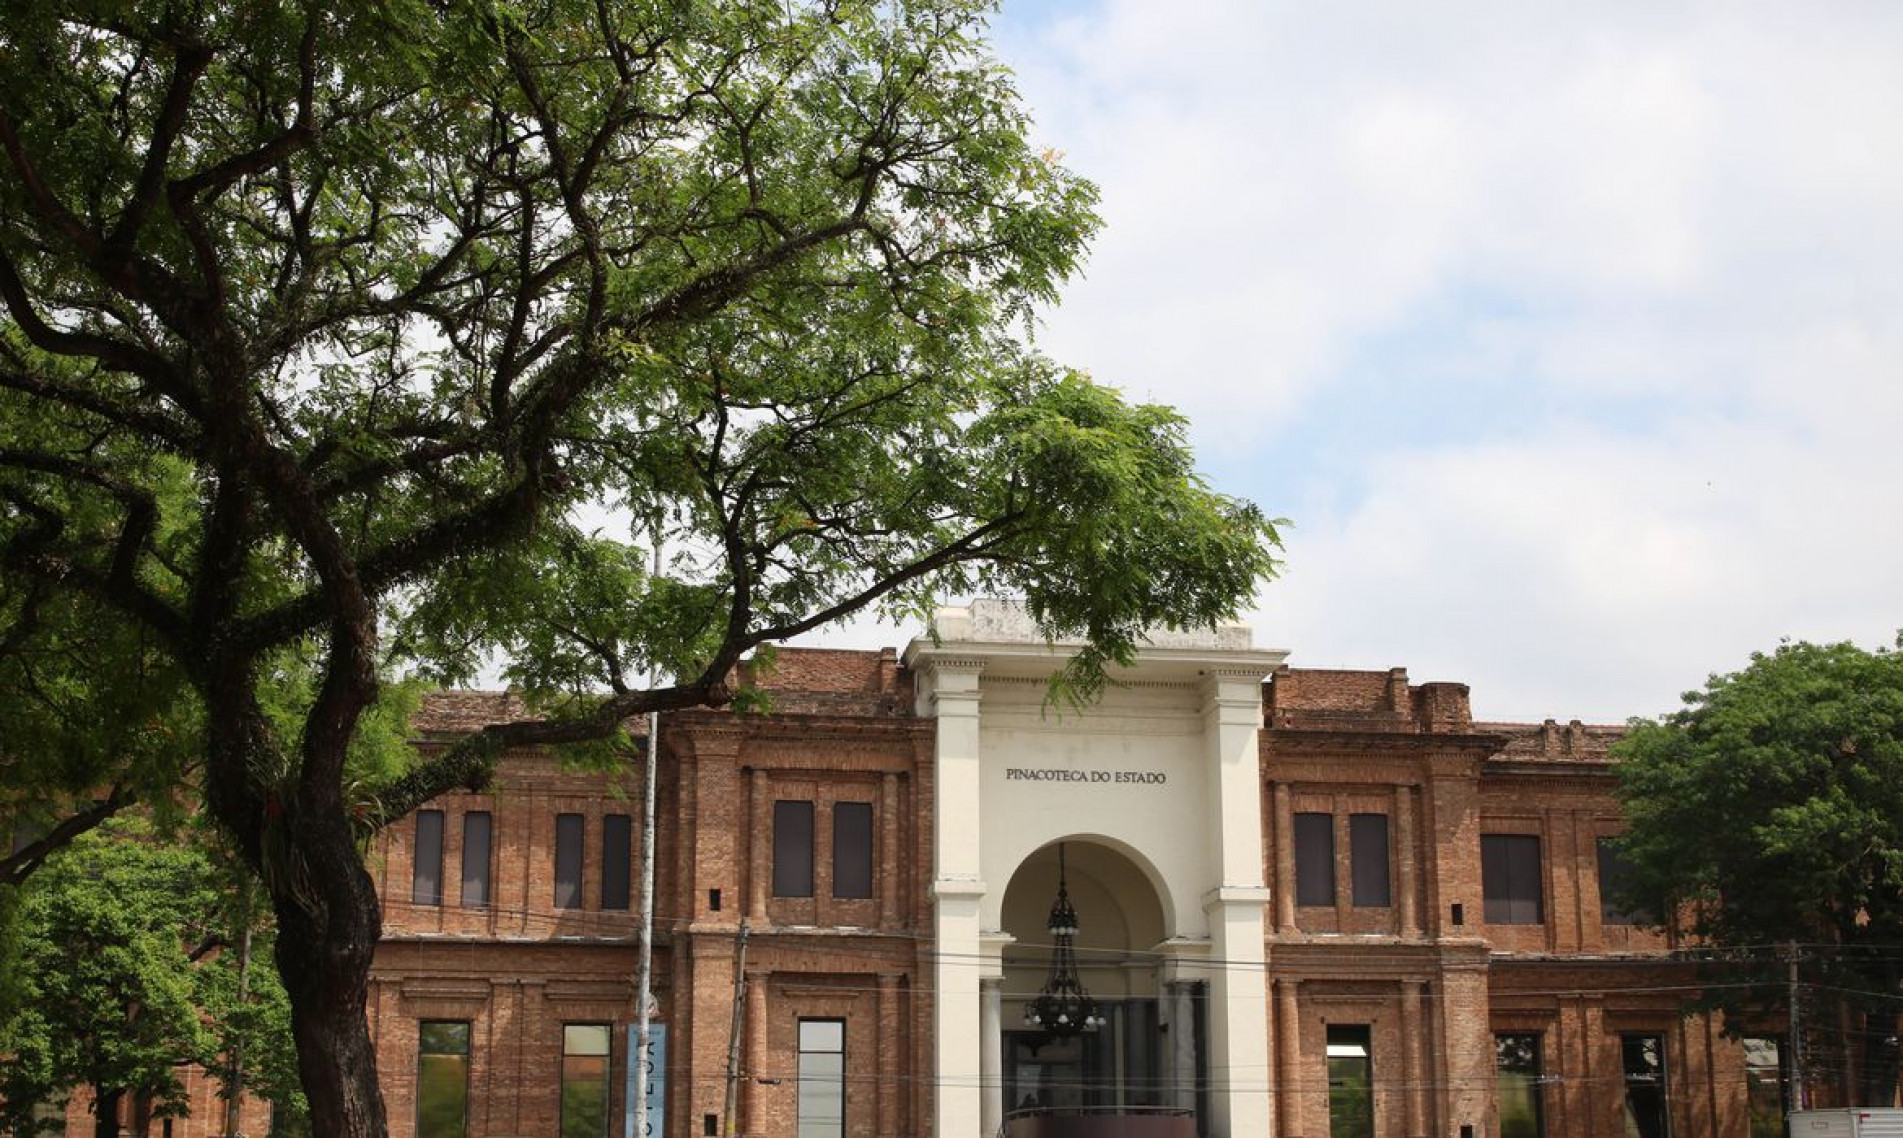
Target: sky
column 1569, row 337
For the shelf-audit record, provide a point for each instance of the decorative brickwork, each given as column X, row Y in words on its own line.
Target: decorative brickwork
column 1402, row 954
column 1425, row 973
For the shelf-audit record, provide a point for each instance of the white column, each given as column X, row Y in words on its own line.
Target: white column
column 1238, row 992
column 1182, row 1047
column 950, row 692
column 991, row 1048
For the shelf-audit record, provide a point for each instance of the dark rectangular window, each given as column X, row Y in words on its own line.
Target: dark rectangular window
column 476, row 833
column 568, row 861
column 1613, row 873
column 1510, row 878
column 426, row 876
column 1350, row 1081
column 585, row 1080
column 852, row 849
column 617, row 836
column 822, row 1078
column 1764, row 1086
column 442, row 1080
column 1643, row 1057
column 1517, row 1081
column 1368, row 856
column 1314, row 859
column 792, row 848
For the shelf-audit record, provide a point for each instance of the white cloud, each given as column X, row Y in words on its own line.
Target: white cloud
column 1649, row 257
column 1592, row 575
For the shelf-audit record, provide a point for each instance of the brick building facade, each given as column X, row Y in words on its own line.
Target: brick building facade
column 1310, row 902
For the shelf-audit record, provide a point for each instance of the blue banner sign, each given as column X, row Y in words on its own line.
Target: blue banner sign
column 654, row 1069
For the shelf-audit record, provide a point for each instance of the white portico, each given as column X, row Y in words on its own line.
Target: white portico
column 1155, row 790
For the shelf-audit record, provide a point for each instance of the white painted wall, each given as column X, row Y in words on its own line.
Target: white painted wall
column 1186, row 713
column 1149, row 728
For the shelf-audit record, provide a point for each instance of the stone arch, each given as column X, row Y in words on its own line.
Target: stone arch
column 1123, row 914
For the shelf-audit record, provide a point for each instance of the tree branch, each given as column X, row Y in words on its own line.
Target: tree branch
column 18, row 866
column 490, row 522
column 301, row 133
column 189, row 63
column 115, row 354
column 32, row 554
column 975, row 545
column 469, row 762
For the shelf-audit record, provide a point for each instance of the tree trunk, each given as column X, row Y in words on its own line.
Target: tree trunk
column 234, row 1085
column 106, row 1112
column 326, row 939
column 297, row 834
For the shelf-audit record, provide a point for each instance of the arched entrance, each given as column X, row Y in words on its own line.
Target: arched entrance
column 1128, row 1076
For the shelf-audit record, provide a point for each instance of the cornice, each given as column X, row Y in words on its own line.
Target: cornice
column 1165, row 657
column 957, row 889
column 444, row 988
column 867, row 766
column 801, row 936
column 1003, row 682
column 1251, row 673
column 751, row 732
column 1661, row 961
column 1357, row 957
column 794, row 729
column 970, row 664
column 1545, row 769
column 1348, row 742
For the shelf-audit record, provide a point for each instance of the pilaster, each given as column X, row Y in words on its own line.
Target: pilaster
column 1289, row 1054
column 948, row 691
column 1284, row 860
column 1413, row 1060
column 760, row 844
column 1238, row 995
column 1466, row 1038
column 1409, row 861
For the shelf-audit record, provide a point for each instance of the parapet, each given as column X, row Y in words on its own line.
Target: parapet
column 1330, row 698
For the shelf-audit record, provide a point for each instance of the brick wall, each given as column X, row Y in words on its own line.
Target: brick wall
column 1427, row 975
column 520, row 968
column 1432, row 990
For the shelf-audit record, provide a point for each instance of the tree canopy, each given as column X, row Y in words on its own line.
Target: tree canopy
column 330, row 334
column 122, row 965
column 1769, row 813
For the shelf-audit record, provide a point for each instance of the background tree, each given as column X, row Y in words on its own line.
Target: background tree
column 102, row 970
column 330, row 329
column 1769, row 811
column 124, row 966
column 245, row 1010
column 108, row 966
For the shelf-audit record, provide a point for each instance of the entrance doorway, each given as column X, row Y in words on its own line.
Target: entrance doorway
column 1119, row 1065
column 1147, row 1057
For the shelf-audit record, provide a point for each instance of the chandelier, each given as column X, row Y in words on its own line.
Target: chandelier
column 1063, row 1008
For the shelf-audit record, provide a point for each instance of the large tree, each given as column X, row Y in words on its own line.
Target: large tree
column 328, row 329
column 1768, row 812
